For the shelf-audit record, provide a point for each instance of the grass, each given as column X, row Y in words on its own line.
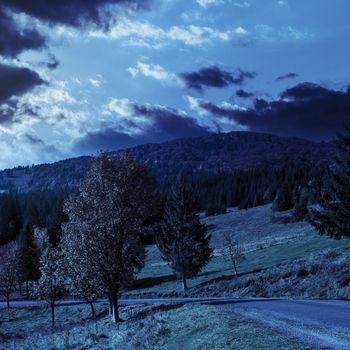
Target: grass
column 255, row 229
column 182, row 327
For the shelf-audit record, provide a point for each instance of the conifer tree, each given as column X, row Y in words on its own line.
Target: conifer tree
column 333, row 218
column 29, row 258
column 183, row 240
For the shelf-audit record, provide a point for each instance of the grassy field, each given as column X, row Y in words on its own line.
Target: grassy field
column 181, row 327
column 273, row 244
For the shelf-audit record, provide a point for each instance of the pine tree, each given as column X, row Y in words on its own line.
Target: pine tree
column 29, row 260
column 107, row 217
column 334, row 217
column 300, row 211
column 183, row 240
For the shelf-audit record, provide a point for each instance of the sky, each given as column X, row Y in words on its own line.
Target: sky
column 78, row 77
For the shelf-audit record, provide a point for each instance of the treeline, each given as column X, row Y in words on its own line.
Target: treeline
column 292, row 185
column 20, row 212
column 287, row 186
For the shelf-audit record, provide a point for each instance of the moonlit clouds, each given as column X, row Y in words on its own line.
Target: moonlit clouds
column 78, row 76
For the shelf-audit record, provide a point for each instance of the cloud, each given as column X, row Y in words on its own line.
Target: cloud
column 243, row 5
column 305, row 110
column 34, row 140
column 131, row 124
column 75, row 13
column 52, row 63
column 14, row 39
column 287, row 76
column 95, row 82
column 206, row 3
column 145, row 34
column 244, row 94
column 214, row 77
column 154, row 71
column 16, row 81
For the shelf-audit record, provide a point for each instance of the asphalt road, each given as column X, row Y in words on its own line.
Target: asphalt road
column 320, row 323
column 214, row 301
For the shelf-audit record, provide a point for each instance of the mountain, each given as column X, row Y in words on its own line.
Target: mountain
column 225, row 152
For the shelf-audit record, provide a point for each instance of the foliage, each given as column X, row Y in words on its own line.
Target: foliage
column 106, row 222
column 9, row 270
column 183, row 240
column 334, row 217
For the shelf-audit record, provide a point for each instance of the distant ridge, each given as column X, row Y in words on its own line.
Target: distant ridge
column 224, row 152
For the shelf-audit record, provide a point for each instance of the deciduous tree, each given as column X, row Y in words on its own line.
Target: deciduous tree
column 107, row 217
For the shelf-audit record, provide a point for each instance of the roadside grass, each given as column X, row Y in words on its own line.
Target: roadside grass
column 181, row 327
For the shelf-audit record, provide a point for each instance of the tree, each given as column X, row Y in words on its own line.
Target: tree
column 283, row 200
column 29, row 259
column 107, row 218
column 50, row 286
column 9, row 270
column 183, row 240
column 333, row 218
column 232, row 251
column 300, row 211
column 84, row 279
column 10, row 218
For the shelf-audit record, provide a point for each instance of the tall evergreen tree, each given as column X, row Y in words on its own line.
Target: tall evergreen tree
column 334, row 217
column 183, row 240
column 29, row 257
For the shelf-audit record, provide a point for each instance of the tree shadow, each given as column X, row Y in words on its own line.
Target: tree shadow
column 152, row 281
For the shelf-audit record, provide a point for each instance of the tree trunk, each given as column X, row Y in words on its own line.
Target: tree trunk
column 8, row 300
column 110, row 308
column 115, row 309
column 20, row 288
column 92, row 309
column 27, row 287
column 53, row 313
column 184, row 283
column 234, row 266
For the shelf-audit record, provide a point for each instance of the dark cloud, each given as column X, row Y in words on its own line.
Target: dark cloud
column 214, row 77
column 244, row 94
column 287, row 76
column 15, row 81
column 13, row 40
column 11, row 108
column 306, row 110
column 168, row 124
column 52, row 63
column 77, row 13
column 34, row 140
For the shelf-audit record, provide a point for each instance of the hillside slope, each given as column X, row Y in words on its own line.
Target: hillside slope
column 218, row 152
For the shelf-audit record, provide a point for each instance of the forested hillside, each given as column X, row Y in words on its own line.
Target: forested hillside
column 218, row 153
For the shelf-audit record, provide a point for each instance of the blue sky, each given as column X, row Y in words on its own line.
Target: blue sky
column 169, row 69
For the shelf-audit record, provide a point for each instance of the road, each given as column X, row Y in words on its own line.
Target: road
column 124, row 302
column 319, row 323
